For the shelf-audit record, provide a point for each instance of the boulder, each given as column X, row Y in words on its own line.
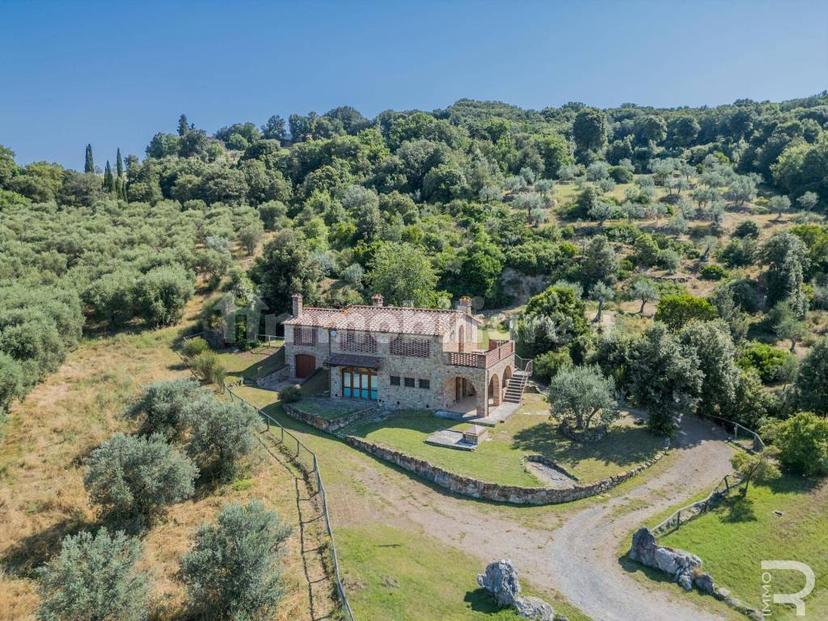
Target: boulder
column 501, row 580
column 704, row 583
column 681, row 566
column 533, row 608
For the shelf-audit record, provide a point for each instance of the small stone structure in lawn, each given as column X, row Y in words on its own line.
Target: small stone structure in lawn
column 501, row 580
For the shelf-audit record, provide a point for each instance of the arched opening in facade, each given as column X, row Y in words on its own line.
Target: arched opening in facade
column 494, row 390
column 461, row 395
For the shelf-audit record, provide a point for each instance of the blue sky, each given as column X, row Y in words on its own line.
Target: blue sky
column 115, row 73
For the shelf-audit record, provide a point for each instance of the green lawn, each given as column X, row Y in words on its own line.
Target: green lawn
column 253, row 364
column 500, row 460
column 734, row 538
column 330, row 409
column 393, row 574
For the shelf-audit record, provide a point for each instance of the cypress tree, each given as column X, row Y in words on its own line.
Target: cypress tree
column 89, row 164
column 109, row 180
column 183, row 126
column 119, row 164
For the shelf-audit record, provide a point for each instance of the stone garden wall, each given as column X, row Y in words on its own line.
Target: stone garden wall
column 319, row 422
column 466, row 486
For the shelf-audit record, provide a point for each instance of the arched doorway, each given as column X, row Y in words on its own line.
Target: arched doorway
column 507, row 375
column 461, row 395
column 305, row 365
column 494, row 390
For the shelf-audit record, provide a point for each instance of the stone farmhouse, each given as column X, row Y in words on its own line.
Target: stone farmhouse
column 402, row 357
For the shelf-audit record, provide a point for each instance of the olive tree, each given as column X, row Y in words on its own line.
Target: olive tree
column 94, row 578
column 220, row 434
column 232, row 571
column 581, row 398
column 137, row 477
column 164, row 405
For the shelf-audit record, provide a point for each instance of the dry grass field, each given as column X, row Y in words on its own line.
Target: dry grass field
column 41, row 489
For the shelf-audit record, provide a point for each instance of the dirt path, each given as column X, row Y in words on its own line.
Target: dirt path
column 583, row 552
column 573, row 553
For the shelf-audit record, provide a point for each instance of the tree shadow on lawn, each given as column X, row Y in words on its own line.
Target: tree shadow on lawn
column 29, row 553
column 623, row 446
column 739, row 509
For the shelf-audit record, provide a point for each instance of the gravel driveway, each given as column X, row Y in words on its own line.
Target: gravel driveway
column 574, row 554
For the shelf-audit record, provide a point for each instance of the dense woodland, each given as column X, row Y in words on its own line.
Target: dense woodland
column 551, row 213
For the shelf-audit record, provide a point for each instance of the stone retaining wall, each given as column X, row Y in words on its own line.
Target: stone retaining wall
column 467, row 486
column 549, row 463
column 319, row 422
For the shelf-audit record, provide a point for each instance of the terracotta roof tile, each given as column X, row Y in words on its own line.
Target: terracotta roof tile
column 388, row 319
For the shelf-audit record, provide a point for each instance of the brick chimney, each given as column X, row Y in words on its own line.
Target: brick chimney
column 296, row 300
column 464, row 305
column 376, row 299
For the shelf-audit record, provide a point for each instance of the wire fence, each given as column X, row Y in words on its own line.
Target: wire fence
column 305, row 459
column 729, row 484
column 739, row 433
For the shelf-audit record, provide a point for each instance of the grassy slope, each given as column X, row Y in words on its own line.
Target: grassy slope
column 41, row 489
column 377, row 555
column 733, row 539
column 526, row 432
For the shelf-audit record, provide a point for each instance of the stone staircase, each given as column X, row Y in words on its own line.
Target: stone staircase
column 515, row 386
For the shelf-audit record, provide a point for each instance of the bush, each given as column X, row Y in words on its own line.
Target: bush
column 548, row 364
column 137, row 477
column 812, row 381
column 713, row 271
column 802, row 441
column 164, row 406
column 194, row 346
column 676, row 310
column 291, row 394
column 771, row 363
column 161, row 295
column 232, row 571
column 748, row 228
column 94, row 578
column 221, row 433
column 11, row 382
column 208, row 368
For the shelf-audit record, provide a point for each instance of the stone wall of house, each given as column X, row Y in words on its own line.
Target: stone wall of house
column 474, row 488
column 319, row 351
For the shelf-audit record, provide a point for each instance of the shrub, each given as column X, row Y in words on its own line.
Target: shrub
column 548, row 364
column 771, row 363
column 713, row 271
column 137, row 477
column 94, row 578
column 802, row 441
column 11, row 381
column 291, row 394
column 678, row 309
column 161, row 295
column 164, row 406
column 220, row 434
column 747, row 228
column 812, row 381
column 194, row 346
column 208, row 367
column 232, row 570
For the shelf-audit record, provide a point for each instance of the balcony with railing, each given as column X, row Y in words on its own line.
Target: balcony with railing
column 497, row 351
